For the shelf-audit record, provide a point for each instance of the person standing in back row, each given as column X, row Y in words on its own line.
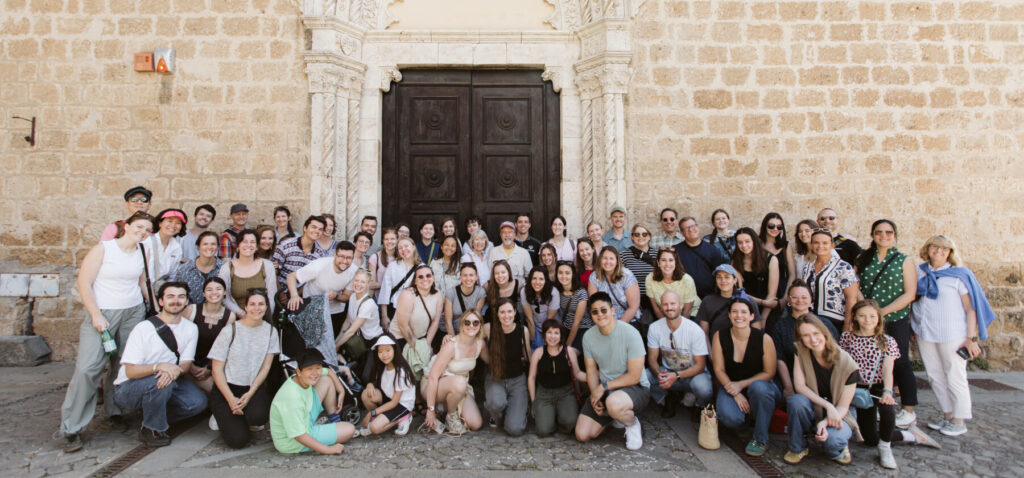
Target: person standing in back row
column 229, row 239
column 518, row 258
column 137, row 199
column 698, row 258
column 846, row 246
column 525, row 240
column 616, row 236
column 202, row 217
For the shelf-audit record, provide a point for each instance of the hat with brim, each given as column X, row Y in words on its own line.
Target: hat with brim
column 138, row 190
column 383, row 340
column 727, row 268
column 239, row 208
column 310, row 357
column 507, row 224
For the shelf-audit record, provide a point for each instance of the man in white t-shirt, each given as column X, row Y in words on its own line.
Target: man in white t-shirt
column 676, row 356
column 326, row 275
column 154, row 366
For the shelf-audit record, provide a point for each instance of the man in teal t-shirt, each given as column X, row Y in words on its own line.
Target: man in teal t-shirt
column 613, row 353
column 298, row 404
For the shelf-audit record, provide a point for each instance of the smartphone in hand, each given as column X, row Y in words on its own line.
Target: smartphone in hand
column 963, row 352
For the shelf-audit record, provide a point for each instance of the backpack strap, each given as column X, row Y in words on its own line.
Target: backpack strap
column 398, row 286
column 167, row 336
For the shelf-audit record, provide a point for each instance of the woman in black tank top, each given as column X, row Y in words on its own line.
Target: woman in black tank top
column 505, row 386
column 744, row 362
column 553, row 381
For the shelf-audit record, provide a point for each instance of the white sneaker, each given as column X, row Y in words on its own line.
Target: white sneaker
column 634, row 437
column 886, row 457
column 403, row 426
column 904, row 419
column 953, row 429
column 939, row 424
column 689, row 400
column 362, row 432
column 213, row 423
column 618, row 424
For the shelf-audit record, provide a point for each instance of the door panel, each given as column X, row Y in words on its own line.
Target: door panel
column 463, row 142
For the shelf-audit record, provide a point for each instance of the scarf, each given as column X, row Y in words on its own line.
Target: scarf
column 928, row 286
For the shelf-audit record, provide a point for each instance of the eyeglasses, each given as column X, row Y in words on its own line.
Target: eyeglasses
column 691, row 227
column 470, row 323
column 827, row 218
column 668, row 219
column 774, row 227
column 884, row 233
column 142, row 199
column 641, row 234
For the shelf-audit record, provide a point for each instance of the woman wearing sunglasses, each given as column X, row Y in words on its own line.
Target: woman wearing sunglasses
column 773, row 239
column 639, row 259
column 447, row 382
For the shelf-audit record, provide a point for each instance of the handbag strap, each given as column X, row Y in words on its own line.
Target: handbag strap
column 458, row 295
column 878, row 276
column 149, row 285
column 425, row 308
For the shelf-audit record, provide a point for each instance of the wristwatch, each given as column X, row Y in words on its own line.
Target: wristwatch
column 974, row 339
column 605, row 385
column 430, row 408
column 677, row 376
column 373, row 413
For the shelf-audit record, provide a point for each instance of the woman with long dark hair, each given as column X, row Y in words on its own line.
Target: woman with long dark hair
column 379, row 261
column 446, row 267
column 776, row 244
column 564, row 248
column 760, row 270
column 721, row 237
column 246, row 272
column 204, row 266
column 508, row 353
column 548, row 258
column 241, row 358
column 802, row 254
column 553, row 368
column 572, row 307
column 888, row 278
column 327, row 241
column 619, row 283
column 539, row 303
column 502, row 286
column 210, row 318
column 283, row 223
column 671, row 275
column 586, row 258
column 267, row 242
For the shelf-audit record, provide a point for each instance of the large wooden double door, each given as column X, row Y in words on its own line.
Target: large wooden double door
column 471, row 142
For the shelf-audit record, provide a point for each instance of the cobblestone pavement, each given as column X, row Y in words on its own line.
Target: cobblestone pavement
column 30, row 400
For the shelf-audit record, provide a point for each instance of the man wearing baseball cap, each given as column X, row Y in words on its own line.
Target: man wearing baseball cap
column 616, row 235
column 517, row 257
column 298, row 404
column 135, row 200
column 229, row 240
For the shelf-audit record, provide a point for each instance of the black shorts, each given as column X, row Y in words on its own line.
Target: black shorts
column 639, row 395
column 395, row 414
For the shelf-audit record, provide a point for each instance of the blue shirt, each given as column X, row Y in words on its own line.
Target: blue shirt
column 700, row 262
column 621, row 244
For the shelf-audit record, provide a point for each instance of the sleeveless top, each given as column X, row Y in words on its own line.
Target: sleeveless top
column 463, row 365
column 241, row 285
column 783, row 271
column 755, row 284
column 116, row 285
column 513, row 358
column 420, row 317
column 553, row 371
column 753, row 357
column 885, row 284
column 207, row 333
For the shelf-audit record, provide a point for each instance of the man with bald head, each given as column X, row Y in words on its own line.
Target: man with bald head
column 676, row 356
column 846, row 246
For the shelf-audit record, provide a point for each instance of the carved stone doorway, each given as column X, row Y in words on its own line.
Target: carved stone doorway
column 459, row 142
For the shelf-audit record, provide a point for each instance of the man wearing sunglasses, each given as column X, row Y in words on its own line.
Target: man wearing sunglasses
column 670, row 230
column 846, row 246
column 137, row 199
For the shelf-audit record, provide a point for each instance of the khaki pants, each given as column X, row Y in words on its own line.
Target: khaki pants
column 80, row 400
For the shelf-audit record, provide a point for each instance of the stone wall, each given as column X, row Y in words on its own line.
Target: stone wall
column 231, row 124
column 912, row 111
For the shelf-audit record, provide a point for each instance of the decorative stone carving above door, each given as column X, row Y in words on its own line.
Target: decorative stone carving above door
column 353, row 58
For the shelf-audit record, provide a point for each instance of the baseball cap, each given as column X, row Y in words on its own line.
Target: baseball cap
column 617, row 209
column 726, row 268
column 138, row 190
column 507, row 224
column 239, row 207
column 311, row 357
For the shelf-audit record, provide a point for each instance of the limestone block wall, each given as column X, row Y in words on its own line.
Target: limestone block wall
column 231, row 124
column 912, row 111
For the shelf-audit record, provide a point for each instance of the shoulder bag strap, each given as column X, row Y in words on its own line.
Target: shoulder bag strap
column 149, row 284
column 458, row 295
column 398, row 286
column 871, row 290
column 231, row 342
column 166, row 335
column 427, row 309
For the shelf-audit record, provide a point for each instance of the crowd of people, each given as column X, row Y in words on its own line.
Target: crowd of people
column 575, row 335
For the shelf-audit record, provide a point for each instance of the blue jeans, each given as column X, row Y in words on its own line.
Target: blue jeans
column 179, row 400
column 762, row 395
column 802, row 421
column 699, row 385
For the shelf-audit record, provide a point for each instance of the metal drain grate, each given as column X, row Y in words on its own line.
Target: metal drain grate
column 992, row 385
column 121, row 463
column 760, row 465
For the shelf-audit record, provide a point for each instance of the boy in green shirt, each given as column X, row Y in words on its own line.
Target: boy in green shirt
column 298, row 404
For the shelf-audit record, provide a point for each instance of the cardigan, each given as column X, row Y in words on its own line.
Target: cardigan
column 840, row 372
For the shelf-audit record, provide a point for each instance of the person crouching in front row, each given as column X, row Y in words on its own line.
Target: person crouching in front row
column 298, row 404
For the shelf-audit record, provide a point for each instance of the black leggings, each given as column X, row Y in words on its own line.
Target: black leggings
column 902, row 373
column 885, row 426
column 234, row 429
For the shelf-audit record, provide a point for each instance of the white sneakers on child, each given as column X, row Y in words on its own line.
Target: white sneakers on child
column 634, row 436
column 403, row 426
column 213, row 423
column 904, row 419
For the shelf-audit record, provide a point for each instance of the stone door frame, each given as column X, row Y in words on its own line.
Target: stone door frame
column 352, row 59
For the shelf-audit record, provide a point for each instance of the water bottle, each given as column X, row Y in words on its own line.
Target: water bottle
column 109, row 345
